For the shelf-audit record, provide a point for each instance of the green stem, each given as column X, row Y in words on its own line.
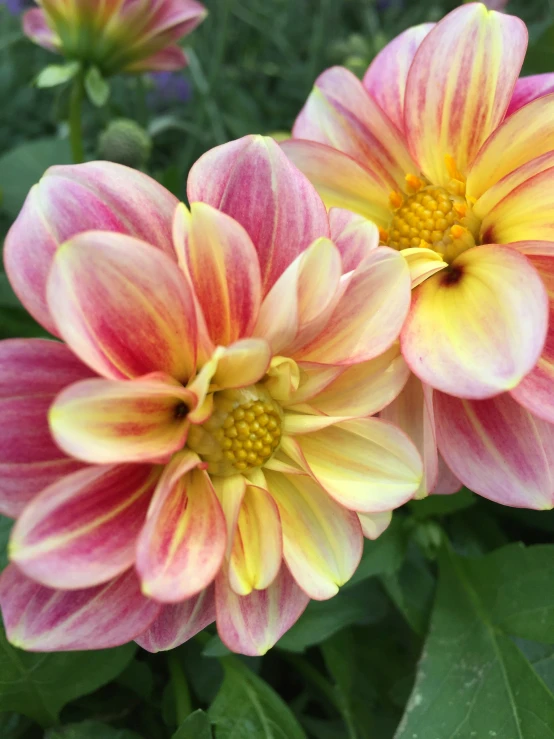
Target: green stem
column 180, row 688
column 75, row 119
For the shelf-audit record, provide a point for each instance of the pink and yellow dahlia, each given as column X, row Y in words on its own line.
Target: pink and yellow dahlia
column 199, row 446
column 453, row 158
column 115, row 35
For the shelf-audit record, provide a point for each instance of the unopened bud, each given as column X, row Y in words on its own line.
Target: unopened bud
column 125, row 142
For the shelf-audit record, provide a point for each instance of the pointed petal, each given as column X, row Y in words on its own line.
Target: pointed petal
column 243, row 363
column 252, row 624
column 412, row 411
column 374, row 524
column 223, row 266
column 82, row 530
column 341, row 181
column 369, row 315
column 123, row 316
column 178, row 623
column 182, row 545
column 340, row 113
column 459, row 86
column 366, row 465
column 252, row 181
column 422, row 263
column 525, row 135
column 230, row 492
column 385, row 79
column 257, row 546
column 32, row 372
column 71, row 199
column 107, row 421
column 481, row 333
column 35, row 27
column 322, row 540
column 40, row 619
column 353, row 235
column 530, row 88
column 447, row 482
column 170, row 59
column 498, row 449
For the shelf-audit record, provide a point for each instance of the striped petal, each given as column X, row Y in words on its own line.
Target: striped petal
column 82, row 530
column 170, row 59
column 374, row 524
column 322, row 540
column 498, row 449
column 35, row 27
column 530, row 88
column 479, row 329
column 385, row 79
column 252, row 181
column 71, row 199
column 369, row 315
column 459, row 86
column 447, row 482
column 257, row 546
column 366, row 465
column 536, row 391
column 107, row 421
column 353, row 235
column 123, row 315
column 40, row 619
column 223, row 266
column 252, row 624
column 182, row 545
column 32, row 372
column 524, row 136
column 340, row 113
column 178, row 623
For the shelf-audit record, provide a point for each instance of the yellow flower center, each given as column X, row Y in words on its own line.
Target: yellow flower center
column 243, row 432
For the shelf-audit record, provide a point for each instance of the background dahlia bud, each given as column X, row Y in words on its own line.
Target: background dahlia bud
column 127, row 36
column 125, row 142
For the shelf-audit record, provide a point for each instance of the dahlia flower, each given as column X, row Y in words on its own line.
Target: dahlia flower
column 452, row 157
column 115, row 35
column 199, row 446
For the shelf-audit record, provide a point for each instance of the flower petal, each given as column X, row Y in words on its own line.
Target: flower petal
column 182, row 545
column 252, row 624
column 40, row 619
column 369, row 315
column 374, row 524
column 123, row 315
column 498, row 449
column 82, row 530
column 322, row 540
column 35, row 27
column 71, row 199
column 385, row 79
column 353, row 235
column 178, row 623
column 241, row 364
column 459, row 86
column 341, row 181
column 366, row 465
column 447, row 482
column 478, row 330
column 422, row 263
column 252, row 181
column 530, row 88
column 170, row 59
column 223, row 265
column 107, row 421
column 32, row 372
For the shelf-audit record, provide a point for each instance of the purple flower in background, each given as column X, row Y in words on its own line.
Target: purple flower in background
column 15, row 7
column 168, row 88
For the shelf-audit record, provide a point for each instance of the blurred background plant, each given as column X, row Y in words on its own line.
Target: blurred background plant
column 348, row 668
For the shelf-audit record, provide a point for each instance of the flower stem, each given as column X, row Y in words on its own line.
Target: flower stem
column 75, row 119
column 180, row 686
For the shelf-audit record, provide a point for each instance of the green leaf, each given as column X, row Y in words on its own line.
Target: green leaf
column 473, row 680
column 57, row 74
column 411, row 589
column 5, row 529
column 22, row 167
column 97, row 88
column 216, row 648
column 196, row 726
column 90, row 730
column 384, row 555
column 138, row 677
column 247, row 707
column 442, row 505
column 39, row 685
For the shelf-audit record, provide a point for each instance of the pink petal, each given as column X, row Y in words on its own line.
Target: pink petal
column 182, row 545
column 459, row 86
column 447, row 482
column 374, row 524
column 498, row 449
column 252, row 181
column 178, row 623
column 173, row 18
column 170, row 59
column 385, row 79
column 252, row 624
column 82, row 530
column 71, row 199
column 35, row 27
column 123, row 307
column 39, row 619
column 530, row 88
column 353, row 235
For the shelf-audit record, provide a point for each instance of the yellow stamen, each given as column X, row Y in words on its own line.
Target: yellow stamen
column 458, row 231
column 460, row 208
column 395, row 199
column 383, row 235
column 452, row 169
column 414, row 182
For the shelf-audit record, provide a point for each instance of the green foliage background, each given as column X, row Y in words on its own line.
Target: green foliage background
column 447, row 629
